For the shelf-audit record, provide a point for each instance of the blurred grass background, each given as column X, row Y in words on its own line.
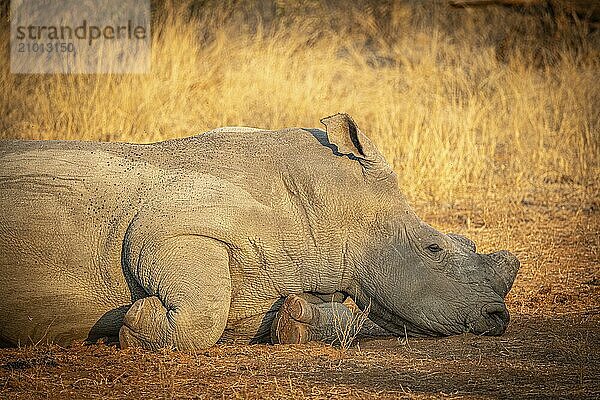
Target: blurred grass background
column 494, row 100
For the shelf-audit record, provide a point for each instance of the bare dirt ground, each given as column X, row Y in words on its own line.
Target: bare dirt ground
column 551, row 349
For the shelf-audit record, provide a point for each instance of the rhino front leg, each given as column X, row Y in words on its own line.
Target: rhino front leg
column 301, row 319
column 188, row 287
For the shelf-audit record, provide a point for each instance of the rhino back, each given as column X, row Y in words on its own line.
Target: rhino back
column 69, row 205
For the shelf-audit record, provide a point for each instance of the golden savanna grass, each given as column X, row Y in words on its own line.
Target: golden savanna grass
column 491, row 98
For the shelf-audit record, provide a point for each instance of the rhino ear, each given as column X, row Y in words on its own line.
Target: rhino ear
column 345, row 135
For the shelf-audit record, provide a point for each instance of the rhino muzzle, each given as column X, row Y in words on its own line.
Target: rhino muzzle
column 493, row 320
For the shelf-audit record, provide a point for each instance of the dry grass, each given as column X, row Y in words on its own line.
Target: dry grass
column 347, row 329
column 456, row 99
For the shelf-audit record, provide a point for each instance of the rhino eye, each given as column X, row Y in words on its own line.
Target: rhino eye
column 434, row 248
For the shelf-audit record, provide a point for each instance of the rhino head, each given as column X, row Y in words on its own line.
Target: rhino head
column 414, row 279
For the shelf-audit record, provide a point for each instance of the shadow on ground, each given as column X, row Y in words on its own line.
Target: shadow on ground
column 554, row 357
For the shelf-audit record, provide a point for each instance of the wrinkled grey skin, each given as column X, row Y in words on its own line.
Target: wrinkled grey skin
column 186, row 242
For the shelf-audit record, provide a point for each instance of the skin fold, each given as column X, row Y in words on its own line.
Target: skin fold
column 236, row 234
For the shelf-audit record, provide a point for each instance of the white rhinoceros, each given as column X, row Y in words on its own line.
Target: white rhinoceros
column 232, row 234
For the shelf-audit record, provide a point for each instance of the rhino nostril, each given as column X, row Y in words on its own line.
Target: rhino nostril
column 494, row 309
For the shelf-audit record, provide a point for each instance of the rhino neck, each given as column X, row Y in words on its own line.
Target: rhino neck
column 339, row 234
column 318, row 245
column 374, row 251
column 324, row 267
column 330, row 200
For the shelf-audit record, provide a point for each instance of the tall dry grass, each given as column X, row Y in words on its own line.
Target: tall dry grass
column 492, row 99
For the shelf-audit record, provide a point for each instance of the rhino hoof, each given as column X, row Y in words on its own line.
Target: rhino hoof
column 126, row 338
column 299, row 309
column 291, row 326
column 145, row 325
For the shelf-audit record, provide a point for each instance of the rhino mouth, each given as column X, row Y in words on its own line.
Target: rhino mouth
column 491, row 319
column 426, row 327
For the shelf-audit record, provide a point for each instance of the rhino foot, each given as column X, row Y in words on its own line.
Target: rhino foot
column 145, row 325
column 293, row 321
